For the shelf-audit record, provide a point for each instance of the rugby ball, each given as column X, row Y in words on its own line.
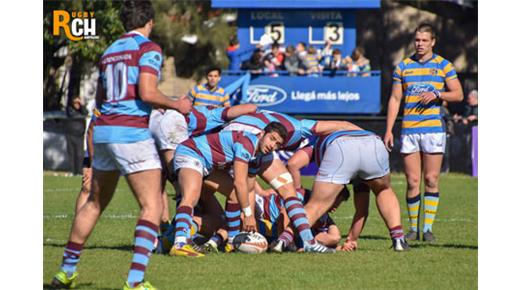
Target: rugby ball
column 250, row 243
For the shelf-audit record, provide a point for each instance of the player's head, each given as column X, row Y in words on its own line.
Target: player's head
column 357, row 53
column 137, row 14
column 274, row 137
column 213, row 76
column 301, row 46
column 275, row 47
column 424, row 40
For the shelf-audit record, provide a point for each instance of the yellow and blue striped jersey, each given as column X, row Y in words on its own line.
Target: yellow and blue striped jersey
column 417, row 78
column 202, row 96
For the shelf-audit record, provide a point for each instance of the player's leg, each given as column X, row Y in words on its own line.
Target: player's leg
column 432, row 166
column 103, row 187
column 412, row 170
column 190, row 184
column 83, row 194
column 330, row 238
column 275, row 173
column 221, row 181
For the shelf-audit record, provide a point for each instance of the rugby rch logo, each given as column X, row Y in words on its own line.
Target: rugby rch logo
column 77, row 25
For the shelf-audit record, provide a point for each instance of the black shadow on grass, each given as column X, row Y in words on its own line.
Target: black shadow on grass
column 125, row 248
column 450, row 246
column 78, row 286
column 369, row 237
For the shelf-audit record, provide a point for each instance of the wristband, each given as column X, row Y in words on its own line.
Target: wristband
column 437, row 94
column 247, row 211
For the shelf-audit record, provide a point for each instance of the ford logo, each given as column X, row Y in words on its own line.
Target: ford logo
column 264, row 95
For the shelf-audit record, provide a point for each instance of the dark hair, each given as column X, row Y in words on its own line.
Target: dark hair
column 213, row 68
column 336, row 51
column 290, row 49
column 277, row 127
column 136, row 13
column 275, row 45
column 303, row 44
column 233, row 40
column 426, row 27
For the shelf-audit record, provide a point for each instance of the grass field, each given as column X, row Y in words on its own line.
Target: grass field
column 451, row 263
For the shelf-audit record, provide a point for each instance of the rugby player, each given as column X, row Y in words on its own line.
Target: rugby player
column 426, row 80
column 126, row 91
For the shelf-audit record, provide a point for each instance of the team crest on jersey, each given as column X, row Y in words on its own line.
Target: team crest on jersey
column 434, row 71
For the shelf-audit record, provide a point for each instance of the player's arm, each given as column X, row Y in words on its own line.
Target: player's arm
column 393, row 109
column 361, row 203
column 299, row 160
column 239, row 110
column 454, row 92
column 328, row 127
column 152, row 95
column 240, row 183
column 331, row 237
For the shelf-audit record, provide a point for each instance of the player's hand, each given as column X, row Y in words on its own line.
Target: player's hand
column 427, row 97
column 184, row 105
column 349, row 246
column 249, row 224
column 389, row 141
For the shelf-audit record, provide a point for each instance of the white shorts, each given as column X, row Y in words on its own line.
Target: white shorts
column 126, row 157
column 184, row 161
column 168, row 129
column 424, row 142
column 241, row 127
column 349, row 157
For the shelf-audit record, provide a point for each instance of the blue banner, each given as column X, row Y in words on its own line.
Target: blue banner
column 312, row 95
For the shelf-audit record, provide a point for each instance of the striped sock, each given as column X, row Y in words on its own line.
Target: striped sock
column 233, row 219
column 413, row 204
column 71, row 257
column 431, row 202
column 396, row 232
column 287, row 237
column 296, row 213
column 145, row 235
column 183, row 220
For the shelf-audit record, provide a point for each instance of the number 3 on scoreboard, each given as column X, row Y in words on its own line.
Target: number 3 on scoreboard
column 276, row 30
column 334, row 32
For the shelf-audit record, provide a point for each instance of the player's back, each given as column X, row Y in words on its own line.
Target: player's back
column 205, row 119
column 124, row 116
column 297, row 130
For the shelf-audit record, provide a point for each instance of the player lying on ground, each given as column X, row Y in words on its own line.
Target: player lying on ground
column 343, row 156
column 274, row 172
column 196, row 159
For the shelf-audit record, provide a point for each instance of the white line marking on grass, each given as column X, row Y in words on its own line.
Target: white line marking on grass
column 107, row 216
column 450, row 220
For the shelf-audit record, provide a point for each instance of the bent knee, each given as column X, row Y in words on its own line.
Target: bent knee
column 431, row 180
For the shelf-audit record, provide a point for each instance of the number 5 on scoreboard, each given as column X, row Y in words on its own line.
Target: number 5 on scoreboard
column 276, row 30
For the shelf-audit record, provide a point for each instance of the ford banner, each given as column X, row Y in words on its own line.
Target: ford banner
column 312, row 95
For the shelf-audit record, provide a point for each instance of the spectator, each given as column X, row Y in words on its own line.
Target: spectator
column 255, row 64
column 311, row 63
column 210, row 94
column 358, row 64
column 470, row 115
column 326, row 54
column 236, row 54
column 74, row 132
column 292, row 62
column 336, row 62
column 275, row 56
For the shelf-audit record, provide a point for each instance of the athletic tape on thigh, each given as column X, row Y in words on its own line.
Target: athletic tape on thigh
column 281, row 180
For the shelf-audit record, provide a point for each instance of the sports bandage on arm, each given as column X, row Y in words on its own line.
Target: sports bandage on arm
column 247, row 211
column 281, row 180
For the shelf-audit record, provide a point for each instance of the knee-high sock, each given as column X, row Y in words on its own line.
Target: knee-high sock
column 145, row 235
column 71, row 257
column 296, row 213
column 183, row 220
column 232, row 219
column 431, row 202
column 413, row 204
